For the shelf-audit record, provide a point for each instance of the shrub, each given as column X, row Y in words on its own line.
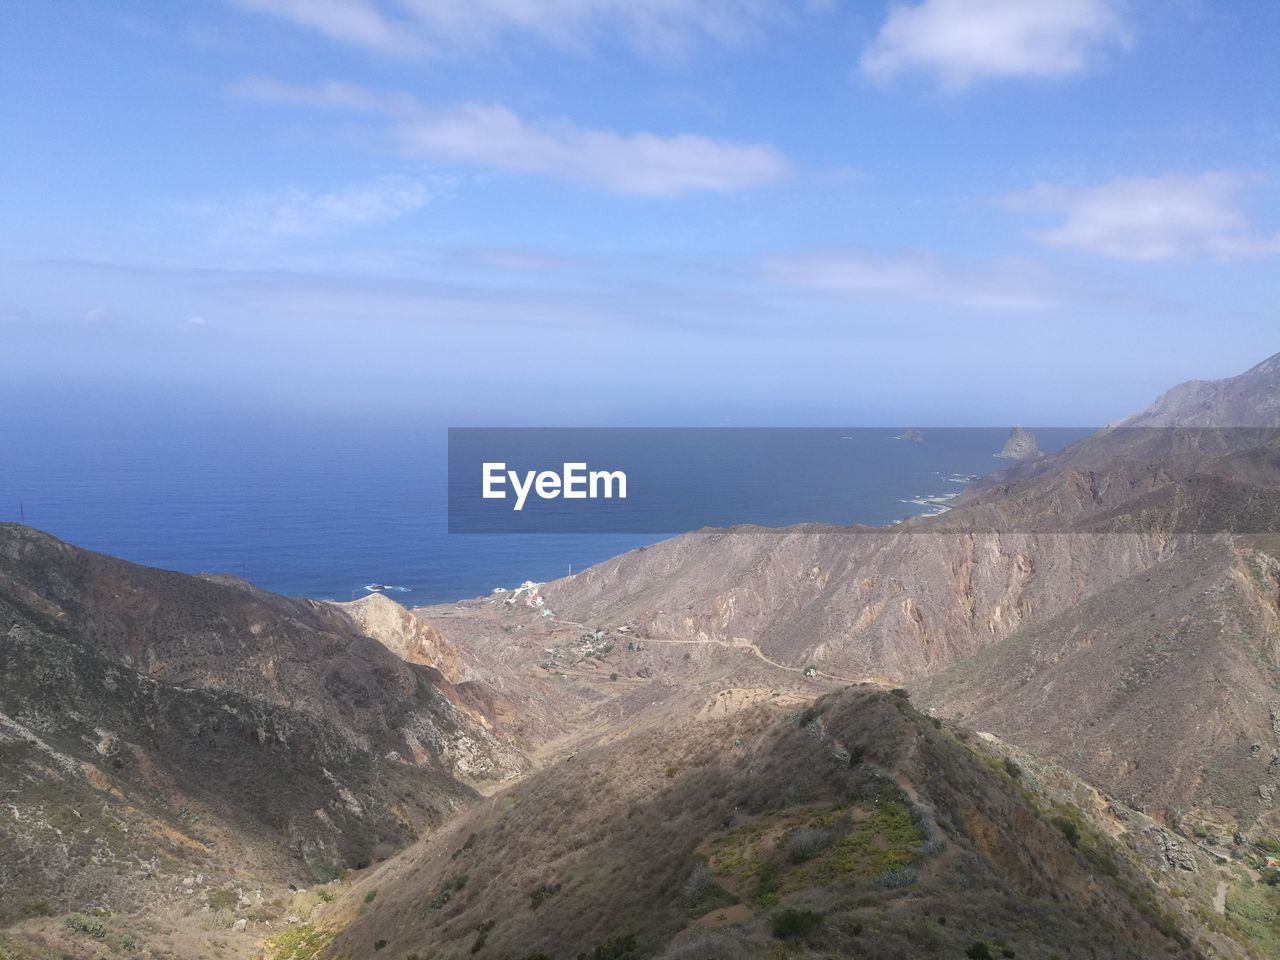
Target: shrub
column 932, row 847
column 87, row 925
column 542, row 894
column 895, row 879
column 1069, row 829
column 222, row 899
column 37, row 908
column 482, row 934
column 441, row 898
column 806, row 843
column 379, row 944
column 1011, row 767
column 789, row 924
column 979, row 951
column 371, row 896
column 325, row 872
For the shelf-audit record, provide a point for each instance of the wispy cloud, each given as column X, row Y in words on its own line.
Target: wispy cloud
column 1149, row 219
column 491, row 135
column 354, row 22
column 495, row 137
column 964, row 41
column 438, row 29
column 920, row 277
column 297, row 213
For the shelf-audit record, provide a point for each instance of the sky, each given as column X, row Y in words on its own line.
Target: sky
column 747, row 212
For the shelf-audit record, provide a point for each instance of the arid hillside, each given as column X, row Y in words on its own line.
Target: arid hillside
column 1163, row 689
column 156, row 727
column 855, row 827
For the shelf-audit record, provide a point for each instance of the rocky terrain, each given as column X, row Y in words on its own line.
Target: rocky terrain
column 695, row 750
column 169, row 737
column 1021, row 445
column 854, row 827
column 1247, row 400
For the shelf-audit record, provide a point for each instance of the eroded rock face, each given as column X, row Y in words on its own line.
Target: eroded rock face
column 1021, row 445
column 1176, row 852
column 408, row 637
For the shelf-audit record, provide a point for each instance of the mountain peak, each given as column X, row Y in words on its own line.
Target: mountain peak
column 1250, row 399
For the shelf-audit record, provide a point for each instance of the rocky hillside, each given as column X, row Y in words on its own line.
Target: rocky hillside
column 1059, row 550
column 1251, row 399
column 1163, row 688
column 156, row 727
column 856, row 827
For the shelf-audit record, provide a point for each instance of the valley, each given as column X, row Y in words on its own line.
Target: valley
column 1043, row 724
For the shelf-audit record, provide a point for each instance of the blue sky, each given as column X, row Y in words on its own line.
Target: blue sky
column 603, row 211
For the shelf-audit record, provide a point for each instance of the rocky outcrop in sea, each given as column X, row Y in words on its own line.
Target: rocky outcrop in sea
column 1021, row 445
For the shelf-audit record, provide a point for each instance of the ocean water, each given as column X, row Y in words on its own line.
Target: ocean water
column 324, row 506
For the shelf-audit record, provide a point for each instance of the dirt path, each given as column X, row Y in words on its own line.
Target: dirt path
column 1220, row 898
column 737, row 643
column 741, row 643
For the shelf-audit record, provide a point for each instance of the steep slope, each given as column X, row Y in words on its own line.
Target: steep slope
column 155, row 726
column 1020, row 547
column 1248, row 400
column 1161, row 689
column 855, row 828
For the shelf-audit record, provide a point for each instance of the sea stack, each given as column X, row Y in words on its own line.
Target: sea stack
column 912, row 434
column 1021, row 445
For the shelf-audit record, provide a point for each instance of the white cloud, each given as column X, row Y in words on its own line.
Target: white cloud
column 196, row 322
column 964, row 41
column 441, row 28
column 300, row 213
column 490, row 135
column 1152, row 218
column 493, row 136
column 349, row 21
column 922, row 278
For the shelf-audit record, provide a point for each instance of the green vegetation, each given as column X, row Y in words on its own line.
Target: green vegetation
column 789, row 924
column 979, row 951
column 1069, row 829
column 325, row 872
column 371, row 896
column 91, row 926
column 1255, row 910
column 878, row 839
column 303, row 942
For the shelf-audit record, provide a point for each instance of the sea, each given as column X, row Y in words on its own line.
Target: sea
column 330, row 507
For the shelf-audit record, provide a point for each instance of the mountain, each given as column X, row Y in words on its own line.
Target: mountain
column 1251, row 399
column 855, row 827
column 700, row 753
column 1163, row 688
column 1060, row 550
column 157, row 727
